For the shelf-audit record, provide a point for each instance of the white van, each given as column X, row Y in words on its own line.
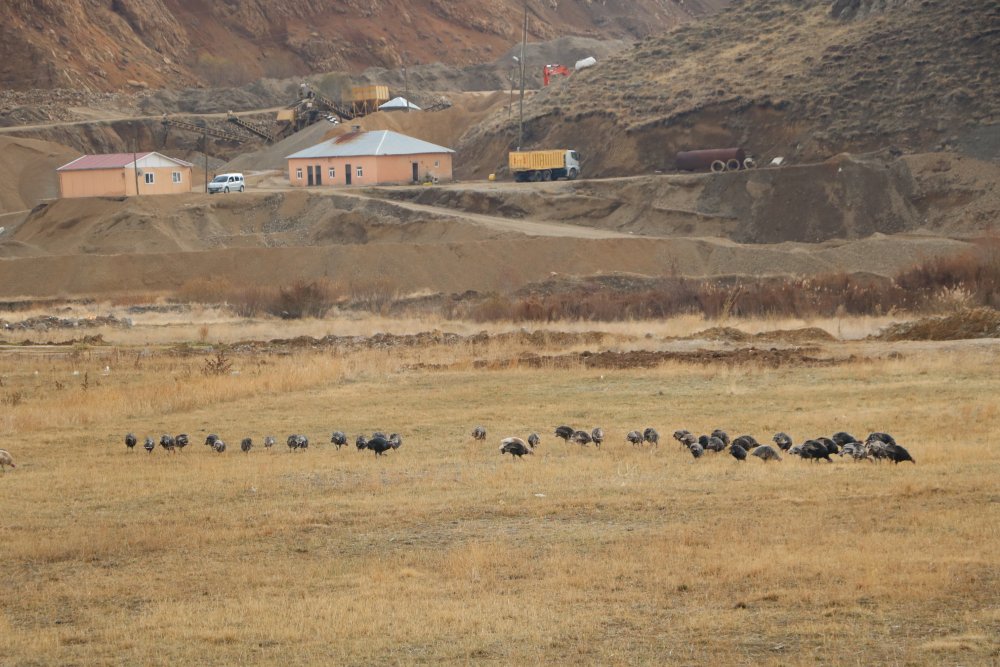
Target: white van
column 226, row 183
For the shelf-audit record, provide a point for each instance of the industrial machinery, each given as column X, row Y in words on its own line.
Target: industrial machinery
column 551, row 70
column 548, row 165
column 203, row 128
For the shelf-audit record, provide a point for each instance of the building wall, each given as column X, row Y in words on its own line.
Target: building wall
column 92, row 183
column 119, row 182
column 385, row 169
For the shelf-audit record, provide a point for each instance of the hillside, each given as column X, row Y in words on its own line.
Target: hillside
column 105, row 45
column 803, row 80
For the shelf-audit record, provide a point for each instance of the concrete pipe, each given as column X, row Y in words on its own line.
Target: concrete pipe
column 749, row 163
column 733, row 165
column 717, row 166
column 703, row 159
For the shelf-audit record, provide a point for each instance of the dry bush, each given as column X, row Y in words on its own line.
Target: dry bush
column 975, row 272
column 304, row 298
column 373, row 293
column 946, row 284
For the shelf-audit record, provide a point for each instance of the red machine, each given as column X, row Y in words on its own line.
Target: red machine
column 549, row 70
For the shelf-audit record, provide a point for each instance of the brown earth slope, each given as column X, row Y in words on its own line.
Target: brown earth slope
column 803, row 80
column 502, row 236
column 100, row 45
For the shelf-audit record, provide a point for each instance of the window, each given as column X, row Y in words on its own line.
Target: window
column 298, row 174
column 361, row 172
column 149, row 178
column 176, row 177
column 437, row 163
column 333, row 172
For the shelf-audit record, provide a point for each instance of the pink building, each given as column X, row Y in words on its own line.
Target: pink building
column 370, row 158
column 124, row 174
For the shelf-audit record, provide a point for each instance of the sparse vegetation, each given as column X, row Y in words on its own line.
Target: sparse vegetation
column 445, row 552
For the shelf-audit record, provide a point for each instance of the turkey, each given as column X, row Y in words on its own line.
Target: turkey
column 339, row 439
column 565, row 432
column 479, row 433
column 379, row 445
column 130, row 441
column 766, row 453
column 597, row 435
column 581, row 438
column 721, row 435
column 783, row 441
column 515, row 447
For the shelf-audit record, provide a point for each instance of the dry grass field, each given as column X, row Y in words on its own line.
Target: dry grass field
column 445, row 552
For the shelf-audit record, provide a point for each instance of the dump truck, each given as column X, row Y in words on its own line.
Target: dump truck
column 544, row 165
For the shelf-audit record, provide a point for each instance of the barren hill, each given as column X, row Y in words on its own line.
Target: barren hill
column 102, row 45
column 803, row 80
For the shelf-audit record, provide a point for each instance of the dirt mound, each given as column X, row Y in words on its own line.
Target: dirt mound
column 846, row 197
column 27, row 172
column 729, row 334
column 191, row 223
column 772, row 358
column 780, row 78
column 976, row 323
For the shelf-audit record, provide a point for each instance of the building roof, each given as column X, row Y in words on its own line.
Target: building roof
column 382, row 142
column 398, row 103
column 113, row 161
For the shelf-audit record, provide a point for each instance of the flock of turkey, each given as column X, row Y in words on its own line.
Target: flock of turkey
column 379, row 443
column 876, row 447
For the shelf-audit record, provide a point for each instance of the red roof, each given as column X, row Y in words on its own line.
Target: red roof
column 109, row 161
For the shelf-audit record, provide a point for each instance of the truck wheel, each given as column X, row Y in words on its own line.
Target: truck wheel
column 572, row 174
column 547, row 175
column 241, row 188
column 226, row 190
column 536, row 176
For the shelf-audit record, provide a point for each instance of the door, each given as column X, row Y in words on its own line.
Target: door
column 416, row 175
column 319, row 175
column 347, row 174
column 309, row 175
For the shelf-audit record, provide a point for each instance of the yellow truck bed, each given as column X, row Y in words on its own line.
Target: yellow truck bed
column 524, row 160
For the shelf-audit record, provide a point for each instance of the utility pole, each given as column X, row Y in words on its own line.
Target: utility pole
column 204, row 151
column 406, row 84
column 135, row 160
column 524, row 39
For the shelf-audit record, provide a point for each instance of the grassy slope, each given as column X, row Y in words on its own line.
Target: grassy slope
column 443, row 551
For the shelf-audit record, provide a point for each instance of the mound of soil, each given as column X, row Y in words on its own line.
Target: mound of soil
column 967, row 324
column 27, row 172
column 772, row 358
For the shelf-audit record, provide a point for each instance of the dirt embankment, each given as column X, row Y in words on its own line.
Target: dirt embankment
column 847, row 197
